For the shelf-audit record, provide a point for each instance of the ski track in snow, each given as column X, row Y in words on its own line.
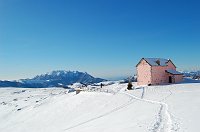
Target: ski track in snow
column 179, row 113
column 164, row 121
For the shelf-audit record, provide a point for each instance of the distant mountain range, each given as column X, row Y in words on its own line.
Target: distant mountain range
column 58, row 78
column 63, row 78
column 193, row 75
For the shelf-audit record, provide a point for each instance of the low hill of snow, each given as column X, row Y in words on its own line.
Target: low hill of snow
column 168, row 108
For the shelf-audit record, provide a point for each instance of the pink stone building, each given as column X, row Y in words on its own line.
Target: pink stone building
column 156, row 71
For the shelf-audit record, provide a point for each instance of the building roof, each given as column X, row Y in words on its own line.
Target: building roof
column 157, row 61
column 173, row 72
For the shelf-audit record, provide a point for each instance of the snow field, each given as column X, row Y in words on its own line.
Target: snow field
column 168, row 108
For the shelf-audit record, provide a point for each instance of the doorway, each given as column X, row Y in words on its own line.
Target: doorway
column 170, row 79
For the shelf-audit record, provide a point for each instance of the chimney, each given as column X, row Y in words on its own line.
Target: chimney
column 158, row 62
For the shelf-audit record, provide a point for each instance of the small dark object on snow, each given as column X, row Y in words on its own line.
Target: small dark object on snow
column 101, row 85
column 129, row 86
column 3, row 103
column 78, row 91
column 19, row 109
column 15, row 99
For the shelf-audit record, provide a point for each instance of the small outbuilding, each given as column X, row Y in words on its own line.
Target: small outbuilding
column 156, row 71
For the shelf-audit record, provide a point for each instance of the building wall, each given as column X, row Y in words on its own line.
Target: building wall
column 159, row 75
column 143, row 73
column 170, row 66
column 178, row 78
column 156, row 75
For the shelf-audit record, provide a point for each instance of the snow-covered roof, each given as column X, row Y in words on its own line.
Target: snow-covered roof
column 174, row 72
column 157, row 61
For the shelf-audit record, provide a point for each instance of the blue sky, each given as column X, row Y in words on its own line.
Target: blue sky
column 105, row 38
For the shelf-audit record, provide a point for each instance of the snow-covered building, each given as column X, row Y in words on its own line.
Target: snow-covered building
column 156, row 71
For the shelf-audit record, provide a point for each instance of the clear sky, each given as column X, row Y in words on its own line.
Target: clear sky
column 105, row 38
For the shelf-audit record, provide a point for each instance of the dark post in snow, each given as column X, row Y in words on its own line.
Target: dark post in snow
column 130, row 85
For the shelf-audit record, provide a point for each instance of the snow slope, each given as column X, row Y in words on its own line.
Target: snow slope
column 169, row 108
